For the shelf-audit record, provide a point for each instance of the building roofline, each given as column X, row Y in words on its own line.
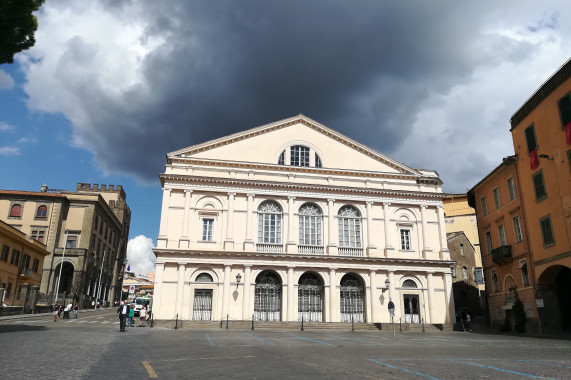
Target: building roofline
column 554, row 81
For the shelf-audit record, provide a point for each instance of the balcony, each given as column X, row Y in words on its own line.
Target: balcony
column 27, row 272
column 347, row 251
column 311, row 249
column 502, row 254
column 269, row 248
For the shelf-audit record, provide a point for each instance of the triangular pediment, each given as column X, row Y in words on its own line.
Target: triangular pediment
column 265, row 144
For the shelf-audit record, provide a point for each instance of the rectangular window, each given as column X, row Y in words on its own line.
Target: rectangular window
column 495, row 286
column 453, row 271
column 5, row 253
column 539, row 186
column 564, row 105
column 25, row 261
column 511, row 189
column 484, row 206
column 489, row 242
column 299, row 155
column 71, row 241
column 530, row 138
column 502, row 233
column 38, row 235
column 517, row 229
column 36, row 265
column 15, row 257
column 207, row 226
column 524, row 274
column 405, row 239
column 546, row 230
column 497, row 200
column 478, row 275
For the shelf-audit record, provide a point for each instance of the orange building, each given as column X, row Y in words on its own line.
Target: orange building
column 523, row 209
column 541, row 133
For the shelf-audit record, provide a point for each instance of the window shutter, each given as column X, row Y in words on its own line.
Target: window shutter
column 530, row 138
column 565, row 109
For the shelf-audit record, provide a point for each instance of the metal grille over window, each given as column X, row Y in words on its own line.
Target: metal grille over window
column 270, row 223
column 202, row 308
column 310, row 298
column 267, row 297
column 351, row 299
column 310, row 222
column 299, row 155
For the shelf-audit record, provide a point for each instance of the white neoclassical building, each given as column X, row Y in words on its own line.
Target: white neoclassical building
column 293, row 220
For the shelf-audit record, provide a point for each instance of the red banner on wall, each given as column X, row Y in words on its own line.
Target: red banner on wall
column 568, row 132
column 533, row 159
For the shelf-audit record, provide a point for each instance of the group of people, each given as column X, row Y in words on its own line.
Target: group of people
column 66, row 309
column 126, row 315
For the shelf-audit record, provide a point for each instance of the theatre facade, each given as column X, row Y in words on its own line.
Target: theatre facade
column 294, row 221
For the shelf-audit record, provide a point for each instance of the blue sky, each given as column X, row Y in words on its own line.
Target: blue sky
column 111, row 87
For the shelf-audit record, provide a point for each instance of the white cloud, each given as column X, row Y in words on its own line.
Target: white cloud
column 6, row 81
column 140, row 255
column 9, row 151
column 5, row 127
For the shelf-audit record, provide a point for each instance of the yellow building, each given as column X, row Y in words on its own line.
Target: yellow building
column 21, row 263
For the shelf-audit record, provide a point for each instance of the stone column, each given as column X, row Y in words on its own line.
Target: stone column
column 162, row 238
column 431, row 306
column 226, row 291
column 291, row 245
column 180, row 289
column 246, row 296
column 425, row 248
column 388, row 240
column 444, row 252
column 332, row 296
column 371, row 248
column 449, row 298
column 185, row 235
column 373, row 292
column 290, row 294
column 331, row 246
column 159, row 271
column 249, row 243
column 229, row 242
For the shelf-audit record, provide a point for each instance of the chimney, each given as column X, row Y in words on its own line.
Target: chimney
column 44, row 188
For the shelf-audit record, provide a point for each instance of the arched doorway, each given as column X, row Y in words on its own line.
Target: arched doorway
column 554, row 288
column 411, row 303
column 65, row 281
column 352, row 296
column 202, row 304
column 268, row 296
column 310, row 298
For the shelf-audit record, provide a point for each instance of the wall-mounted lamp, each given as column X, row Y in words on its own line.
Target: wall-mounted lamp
column 238, row 278
column 387, row 283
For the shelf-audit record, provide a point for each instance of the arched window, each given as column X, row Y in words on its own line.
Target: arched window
column 281, row 159
column 299, row 155
column 409, row 284
column 269, row 223
column 42, row 212
column 465, row 273
column 310, row 222
column 204, row 277
column 16, row 211
column 349, row 221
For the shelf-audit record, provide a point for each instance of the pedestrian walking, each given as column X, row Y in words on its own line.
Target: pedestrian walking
column 75, row 310
column 123, row 313
column 131, row 320
column 59, row 311
column 142, row 316
column 56, row 311
column 468, row 322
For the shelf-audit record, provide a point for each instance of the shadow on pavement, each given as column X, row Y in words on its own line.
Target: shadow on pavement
column 19, row 328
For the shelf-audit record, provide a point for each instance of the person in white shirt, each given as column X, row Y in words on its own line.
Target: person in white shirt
column 142, row 315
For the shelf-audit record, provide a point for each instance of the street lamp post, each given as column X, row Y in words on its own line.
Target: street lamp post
column 61, row 266
column 100, row 274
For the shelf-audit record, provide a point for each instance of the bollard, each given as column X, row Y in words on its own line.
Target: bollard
column 152, row 319
column 227, row 321
column 422, row 320
column 302, row 322
column 176, row 322
column 252, row 321
column 393, row 323
column 400, row 324
column 352, row 325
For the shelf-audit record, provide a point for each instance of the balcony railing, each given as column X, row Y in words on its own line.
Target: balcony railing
column 502, row 254
column 269, row 248
column 348, row 251
column 27, row 272
column 311, row 249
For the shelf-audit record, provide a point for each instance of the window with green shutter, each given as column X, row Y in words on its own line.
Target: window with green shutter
column 546, row 231
column 564, row 105
column 539, row 186
column 530, row 138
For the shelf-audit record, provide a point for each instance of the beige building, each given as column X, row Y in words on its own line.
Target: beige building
column 21, row 262
column 86, row 232
column 293, row 221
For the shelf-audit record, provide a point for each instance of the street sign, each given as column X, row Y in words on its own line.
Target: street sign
column 539, row 302
column 131, row 289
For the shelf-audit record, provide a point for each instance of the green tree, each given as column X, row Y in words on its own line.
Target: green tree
column 17, row 27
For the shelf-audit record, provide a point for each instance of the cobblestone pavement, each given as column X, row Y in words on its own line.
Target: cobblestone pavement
column 86, row 350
